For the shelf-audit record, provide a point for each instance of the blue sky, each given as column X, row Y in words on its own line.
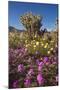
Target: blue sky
column 48, row 11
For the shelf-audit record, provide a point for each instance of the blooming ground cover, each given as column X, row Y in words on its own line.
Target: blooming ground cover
column 33, row 62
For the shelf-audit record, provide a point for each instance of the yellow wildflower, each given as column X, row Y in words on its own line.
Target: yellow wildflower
column 45, row 46
column 34, row 46
column 52, row 41
column 42, row 44
column 46, row 43
column 37, row 43
column 33, row 40
column 48, row 52
column 44, row 39
column 51, row 49
column 35, row 36
column 26, row 45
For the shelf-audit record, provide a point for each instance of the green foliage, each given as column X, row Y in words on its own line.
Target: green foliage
column 41, row 44
column 14, row 40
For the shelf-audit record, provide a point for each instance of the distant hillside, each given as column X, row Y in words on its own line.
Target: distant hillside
column 13, row 29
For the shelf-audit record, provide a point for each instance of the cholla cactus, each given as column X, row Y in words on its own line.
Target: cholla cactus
column 31, row 22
